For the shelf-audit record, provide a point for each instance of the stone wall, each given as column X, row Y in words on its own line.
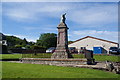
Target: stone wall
column 53, row 61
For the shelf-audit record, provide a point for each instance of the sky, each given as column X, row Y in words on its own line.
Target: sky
column 30, row 19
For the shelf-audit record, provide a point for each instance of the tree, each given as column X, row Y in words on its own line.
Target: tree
column 18, row 46
column 28, row 47
column 31, row 43
column 47, row 40
column 69, row 42
column 12, row 41
column 24, row 43
column 36, row 47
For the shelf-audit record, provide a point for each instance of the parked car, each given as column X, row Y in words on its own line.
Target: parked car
column 72, row 49
column 114, row 50
column 50, row 50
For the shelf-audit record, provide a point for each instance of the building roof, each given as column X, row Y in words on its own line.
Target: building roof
column 94, row 38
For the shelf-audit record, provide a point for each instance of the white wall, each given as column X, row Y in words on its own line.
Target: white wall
column 89, row 43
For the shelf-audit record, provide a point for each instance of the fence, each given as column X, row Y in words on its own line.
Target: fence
column 27, row 50
column 42, row 54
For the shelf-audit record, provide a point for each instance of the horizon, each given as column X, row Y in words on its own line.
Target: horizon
column 73, row 41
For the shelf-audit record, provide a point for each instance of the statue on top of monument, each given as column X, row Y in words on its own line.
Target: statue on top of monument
column 63, row 18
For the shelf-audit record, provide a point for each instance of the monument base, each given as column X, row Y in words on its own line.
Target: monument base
column 61, row 55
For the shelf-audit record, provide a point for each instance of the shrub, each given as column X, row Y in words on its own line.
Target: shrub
column 4, row 49
column 18, row 46
column 35, row 47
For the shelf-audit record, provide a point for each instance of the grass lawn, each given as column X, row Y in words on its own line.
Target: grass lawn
column 22, row 70
column 100, row 57
column 10, row 56
column 39, row 55
column 48, row 55
column 106, row 57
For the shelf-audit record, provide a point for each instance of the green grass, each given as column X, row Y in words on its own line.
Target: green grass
column 48, row 55
column 10, row 56
column 22, row 70
column 78, row 55
column 106, row 57
column 39, row 55
column 100, row 57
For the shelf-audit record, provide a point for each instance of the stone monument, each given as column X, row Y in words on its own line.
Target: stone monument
column 62, row 51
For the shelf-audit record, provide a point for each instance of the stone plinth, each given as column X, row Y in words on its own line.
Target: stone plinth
column 62, row 43
column 53, row 61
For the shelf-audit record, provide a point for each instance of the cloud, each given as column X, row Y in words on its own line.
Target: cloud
column 99, row 14
column 45, row 28
column 78, row 14
column 32, row 11
column 85, row 14
column 32, row 28
column 53, row 8
column 107, row 35
column 19, row 15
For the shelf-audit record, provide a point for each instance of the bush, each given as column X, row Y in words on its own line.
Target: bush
column 28, row 47
column 18, row 46
column 4, row 49
column 36, row 47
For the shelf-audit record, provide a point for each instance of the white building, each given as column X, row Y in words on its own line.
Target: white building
column 3, row 40
column 90, row 42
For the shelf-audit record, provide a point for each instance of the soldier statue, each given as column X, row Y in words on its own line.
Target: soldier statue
column 63, row 18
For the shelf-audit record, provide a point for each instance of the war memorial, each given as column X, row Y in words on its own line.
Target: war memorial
column 62, row 56
column 62, row 41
